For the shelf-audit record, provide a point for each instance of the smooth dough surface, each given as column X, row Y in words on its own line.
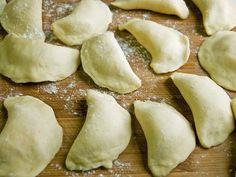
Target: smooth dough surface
column 24, row 60
column 169, row 48
column 171, row 7
column 23, row 18
column 217, row 15
column 30, row 138
column 170, row 137
column 210, row 106
column 3, row 3
column 217, row 55
column 104, row 135
column 104, row 61
column 233, row 105
column 83, row 24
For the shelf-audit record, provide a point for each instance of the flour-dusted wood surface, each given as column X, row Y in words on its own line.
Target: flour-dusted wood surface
column 67, row 98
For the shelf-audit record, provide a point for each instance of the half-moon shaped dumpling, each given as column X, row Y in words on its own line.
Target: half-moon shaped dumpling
column 24, row 60
column 3, row 3
column 168, row 47
column 217, row 15
column 171, row 7
column 104, row 135
column 23, row 18
column 104, row 61
column 170, row 137
column 217, row 55
column 30, row 138
column 90, row 18
column 210, row 106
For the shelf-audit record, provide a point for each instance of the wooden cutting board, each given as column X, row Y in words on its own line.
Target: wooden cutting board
column 67, row 98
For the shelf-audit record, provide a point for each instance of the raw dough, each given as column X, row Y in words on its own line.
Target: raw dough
column 168, row 47
column 24, row 60
column 30, row 138
column 171, row 7
column 217, row 15
column 3, row 3
column 217, row 55
column 105, row 134
column 170, row 137
column 210, row 106
column 90, row 18
column 104, row 61
column 23, row 18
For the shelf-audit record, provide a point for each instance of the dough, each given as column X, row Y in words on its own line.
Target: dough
column 217, row 15
column 233, row 105
column 170, row 137
column 25, row 60
column 168, row 47
column 210, row 106
column 23, row 18
column 171, row 7
column 3, row 3
column 104, row 135
column 30, row 138
column 217, row 56
column 90, row 18
column 104, row 61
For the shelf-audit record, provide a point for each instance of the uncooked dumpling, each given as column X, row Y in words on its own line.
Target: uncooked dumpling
column 217, row 15
column 170, row 137
column 168, row 47
column 210, row 106
column 24, row 60
column 90, row 18
column 217, row 56
column 171, row 7
column 104, row 61
column 104, row 135
column 30, row 138
column 233, row 105
column 3, row 3
column 23, row 18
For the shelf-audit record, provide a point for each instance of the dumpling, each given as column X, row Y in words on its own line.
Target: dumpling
column 217, row 15
column 3, row 3
column 23, row 18
column 171, row 7
column 170, row 137
column 217, row 55
column 83, row 24
column 24, row 60
column 30, row 138
column 104, row 135
column 210, row 106
column 233, row 105
column 168, row 47
column 104, row 61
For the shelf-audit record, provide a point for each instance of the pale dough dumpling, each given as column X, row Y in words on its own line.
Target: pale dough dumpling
column 104, row 135
column 210, row 106
column 24, row 60
column 217, row 15
column 104, row 61
column 30, row 138
column 169, row 48
column 217, row 55
column 171, row 7
column 170, row 137
column 23, row 18
column 3, row 3
column 90, row 18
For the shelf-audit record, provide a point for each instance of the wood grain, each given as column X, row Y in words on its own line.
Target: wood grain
column 68, row 101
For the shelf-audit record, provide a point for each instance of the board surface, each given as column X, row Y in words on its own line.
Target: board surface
column 67, row 98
